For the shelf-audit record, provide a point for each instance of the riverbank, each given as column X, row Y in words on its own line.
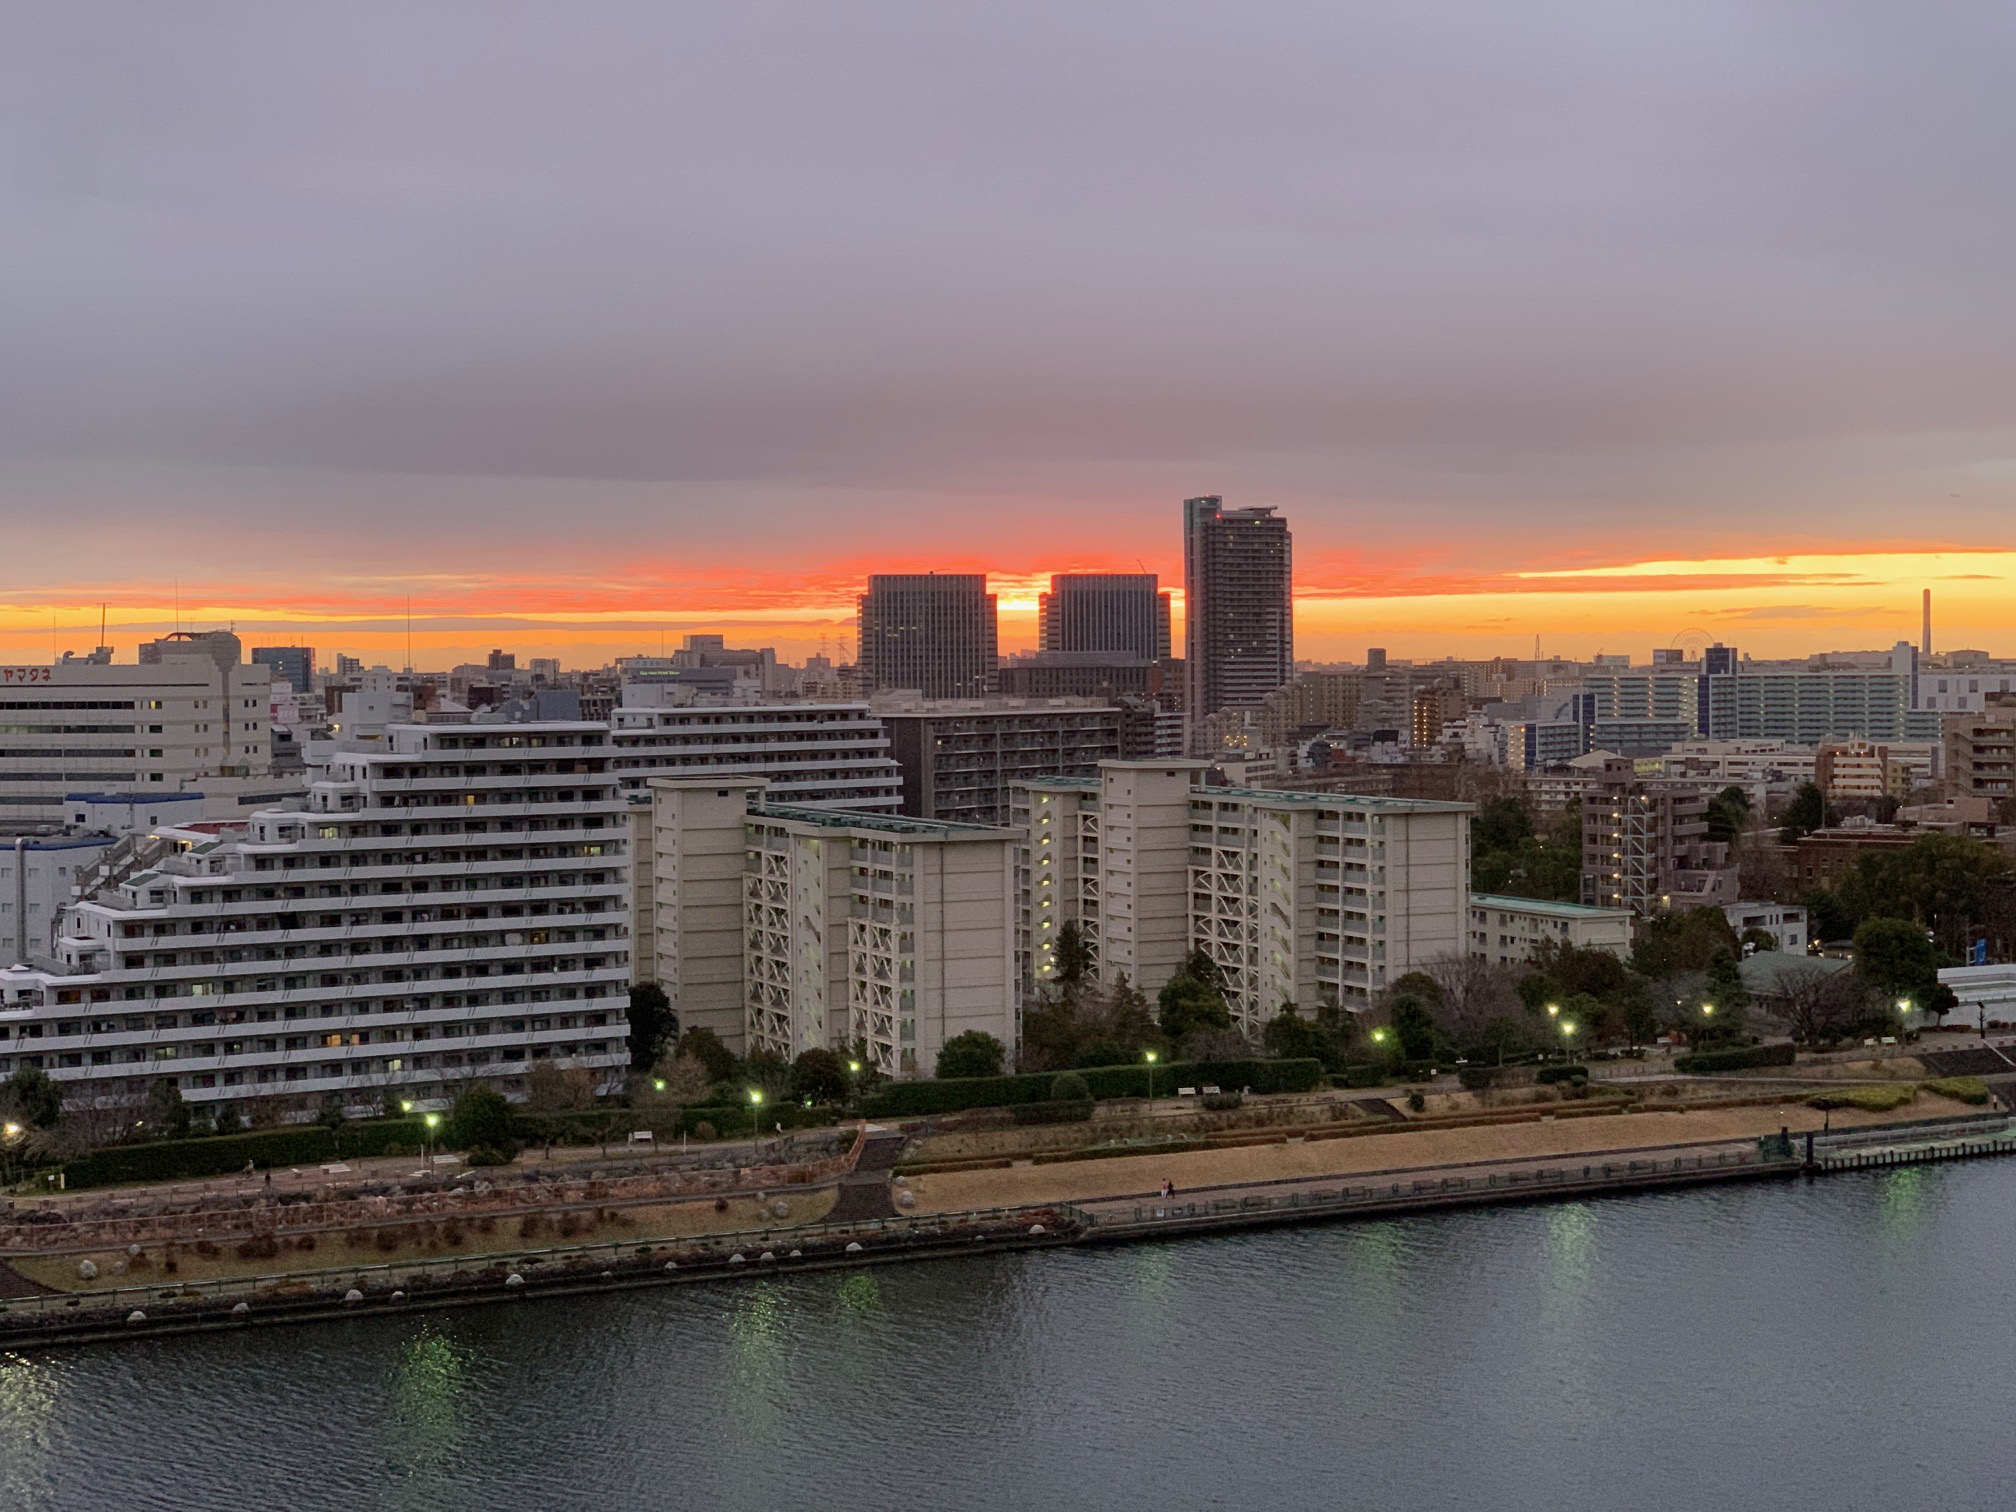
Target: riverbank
column 52, row 1317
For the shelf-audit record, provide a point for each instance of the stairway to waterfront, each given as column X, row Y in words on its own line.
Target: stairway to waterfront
column 864, row 1191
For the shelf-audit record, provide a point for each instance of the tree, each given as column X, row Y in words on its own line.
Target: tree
column 705, row 1046
column 1805, row 813
column 1896, row 959
column 653, row 1025
column 819, row 1076
column 1754, row 939
column 32, row 1095
column 553, row 1088
column 769, row 1071
column 1289, row 1036
column 167, row 1115
column 1414, row 1029
column 677, row 1081
column 1728, row 816
column 1508, row 855
column 1675, row 942
column 1072, row 957
column 481, row 1121
column 974, row 1053
column 1819, row 1006
column 1189, row 1006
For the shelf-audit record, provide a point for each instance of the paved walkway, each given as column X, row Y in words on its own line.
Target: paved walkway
column 864, row 1191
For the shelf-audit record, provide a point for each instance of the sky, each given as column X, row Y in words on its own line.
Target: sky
column 573, row 329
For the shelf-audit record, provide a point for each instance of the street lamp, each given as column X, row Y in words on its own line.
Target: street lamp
column 1567, row 1034
column 433, row 1122
column 755, row 1103
column 657, row 1084
column 1553, row 1010
column 1149, row 1056
column 1378, row 1036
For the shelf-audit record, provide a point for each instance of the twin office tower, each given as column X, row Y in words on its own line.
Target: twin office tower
column 937, row 633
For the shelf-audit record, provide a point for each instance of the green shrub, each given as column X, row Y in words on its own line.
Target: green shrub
column 1416, row 1102
column 1069, row 1086
column 1223, row 1102
column 1966, row 1089
column 1547, row 1076
column 1741, row 1058
column 1883, row 1099
column 188, row 1159
column 1476, row 1078
column 1367, row 1075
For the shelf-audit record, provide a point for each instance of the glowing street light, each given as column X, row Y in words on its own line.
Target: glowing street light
column 1150, row 1057
column 1378, row 1036
column 12, row 1130
column 755, row 1103
column 658, row 1084
column 1553, row 1010
column 432, row 1122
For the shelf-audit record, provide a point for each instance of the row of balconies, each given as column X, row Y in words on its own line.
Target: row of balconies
column 256, row 996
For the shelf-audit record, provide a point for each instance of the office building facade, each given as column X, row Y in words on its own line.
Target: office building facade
column 1123, row 613
column 930, row 633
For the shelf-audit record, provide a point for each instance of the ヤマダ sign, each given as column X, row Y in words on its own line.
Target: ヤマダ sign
column 27, row 674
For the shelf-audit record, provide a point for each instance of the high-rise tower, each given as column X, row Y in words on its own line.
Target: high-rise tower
column 1238, row 611
column 932, row 631
column 1106, row 611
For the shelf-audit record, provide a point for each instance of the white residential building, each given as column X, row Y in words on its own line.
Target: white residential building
column 197, row 719
column 790, row 927
column 36, row 880
column 446, row 907
column 834, row 755
column 1786, row 922
column 1506, row 931
column 1318, row 899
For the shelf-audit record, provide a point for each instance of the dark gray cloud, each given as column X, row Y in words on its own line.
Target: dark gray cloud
column 1558, row 256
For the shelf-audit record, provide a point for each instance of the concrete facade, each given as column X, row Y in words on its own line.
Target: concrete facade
column 450, row 907
column 1506, row 931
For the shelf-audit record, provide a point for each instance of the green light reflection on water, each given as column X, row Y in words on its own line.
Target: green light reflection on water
column 1902, row 1203
column 430, row 1389
column 29, row 1390
column 1571, row 1248
column 861, row 1293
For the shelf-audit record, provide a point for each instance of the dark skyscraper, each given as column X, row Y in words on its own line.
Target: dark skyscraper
column 1118, row 612
column 934, row 632
column 1239, row 610
column 294, row 664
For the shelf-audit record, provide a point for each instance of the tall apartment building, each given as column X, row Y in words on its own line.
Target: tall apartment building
column 1860, row 769
column 1980, row 751
column 1318, row 899
column 931, row 633
column 1124, row 613
column 1645, row 844
column 293, row 665
column 960, row 758
column 836, row 755
column 787, row 927
column 448, row 907
column 37, row 878
column 190, row 718
column 1238, row 607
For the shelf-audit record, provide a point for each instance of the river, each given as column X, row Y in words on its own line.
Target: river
column 1840, row 1345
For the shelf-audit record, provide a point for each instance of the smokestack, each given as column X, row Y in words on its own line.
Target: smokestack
column 1925, row 640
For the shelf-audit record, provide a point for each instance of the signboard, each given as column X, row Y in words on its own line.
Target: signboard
column 27, row 674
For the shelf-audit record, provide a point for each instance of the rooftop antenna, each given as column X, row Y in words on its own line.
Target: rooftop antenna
column 409, row 635
column 101, row 626
column 1925, row 640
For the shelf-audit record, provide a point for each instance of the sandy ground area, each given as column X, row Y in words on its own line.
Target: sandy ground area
column 505, row 1235
column 1138, row 1174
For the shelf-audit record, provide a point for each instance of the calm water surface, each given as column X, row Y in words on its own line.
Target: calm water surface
column 1842, row 1345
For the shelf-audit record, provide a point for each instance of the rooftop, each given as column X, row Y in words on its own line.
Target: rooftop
column 1547, row 906
column 1334, row 800
column 891, row 824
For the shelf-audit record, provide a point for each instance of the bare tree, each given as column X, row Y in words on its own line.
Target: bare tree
column 1472, row 993
column 1814, row 1004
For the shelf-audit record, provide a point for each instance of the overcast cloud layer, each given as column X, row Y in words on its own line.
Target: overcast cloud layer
column 812, row 280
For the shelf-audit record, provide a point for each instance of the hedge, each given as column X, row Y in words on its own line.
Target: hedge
column 186, row 1159
column 1369, row 1074
column 1742, row 1058
column 916, row 1099
column 1548, row 1075
column 1069, row 1111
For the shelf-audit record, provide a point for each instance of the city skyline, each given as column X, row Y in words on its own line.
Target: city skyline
column 1804, row 603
